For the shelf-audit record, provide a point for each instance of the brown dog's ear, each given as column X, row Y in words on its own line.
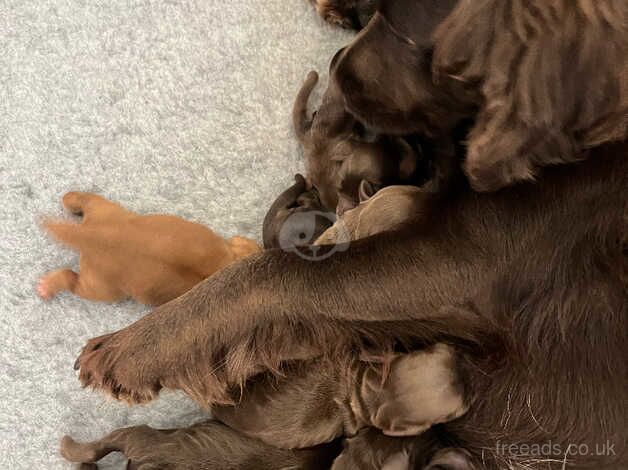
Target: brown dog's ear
column 299, row 110
column 547, row 73
column 385, row 74
column 366, row 190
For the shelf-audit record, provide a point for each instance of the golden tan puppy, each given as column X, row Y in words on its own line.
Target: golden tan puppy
column 151, row 258
column 378, row 211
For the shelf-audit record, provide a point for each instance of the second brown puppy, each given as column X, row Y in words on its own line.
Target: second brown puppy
column 150, row 258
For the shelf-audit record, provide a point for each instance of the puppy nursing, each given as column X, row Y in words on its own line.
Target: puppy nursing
column 150, row 258
column 389, row 209
column 313, row 403
column 340, row 154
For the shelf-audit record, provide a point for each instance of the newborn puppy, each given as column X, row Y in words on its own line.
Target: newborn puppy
column 387, row 209
column 313, row 402
column 349, row 14
column 339, row 154
column 151, row 258
column 296, row 218
column 208, row 445
column 316, row 401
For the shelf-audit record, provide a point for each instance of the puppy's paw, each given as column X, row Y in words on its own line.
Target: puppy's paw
column 124, row 372
column 74, row 202
column 45, row 288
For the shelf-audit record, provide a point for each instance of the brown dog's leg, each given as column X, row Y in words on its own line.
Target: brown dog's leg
column 247, row 318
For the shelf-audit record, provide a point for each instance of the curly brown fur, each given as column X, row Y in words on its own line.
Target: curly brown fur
column 338, row 155
column 549, row 73
column 528, row 284
column 151, row 258
column 544, row 79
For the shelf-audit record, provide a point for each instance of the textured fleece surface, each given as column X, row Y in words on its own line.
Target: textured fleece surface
column 166, row 106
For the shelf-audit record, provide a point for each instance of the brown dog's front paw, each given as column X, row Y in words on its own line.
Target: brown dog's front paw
column 106, row 364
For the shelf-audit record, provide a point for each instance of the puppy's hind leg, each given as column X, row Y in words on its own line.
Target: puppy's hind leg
column 56, row 281
column 90, row 452
column 85, row 286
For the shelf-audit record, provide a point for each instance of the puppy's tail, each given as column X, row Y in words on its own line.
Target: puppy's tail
column 299, row 110
column 66, row 232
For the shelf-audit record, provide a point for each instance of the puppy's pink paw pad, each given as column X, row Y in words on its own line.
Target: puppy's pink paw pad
column 44, row 289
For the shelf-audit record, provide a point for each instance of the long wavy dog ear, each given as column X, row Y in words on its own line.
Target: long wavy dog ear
column 548, row 73
column 385, row 74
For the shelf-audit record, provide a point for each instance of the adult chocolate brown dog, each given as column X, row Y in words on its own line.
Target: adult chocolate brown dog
column 544, row 79
column 529, row 284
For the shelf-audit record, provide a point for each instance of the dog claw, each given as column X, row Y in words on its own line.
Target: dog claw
column 77, row 363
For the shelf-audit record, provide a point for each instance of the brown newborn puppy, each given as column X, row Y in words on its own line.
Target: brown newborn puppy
column 316, row 401
column 296, row 218
column 339, row 154
column 313, row 402
column 204, row 446
column 151, row 258
column 349, row 14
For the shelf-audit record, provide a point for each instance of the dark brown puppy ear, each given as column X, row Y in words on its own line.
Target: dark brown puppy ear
column 385, row 74
column 300, row 120
column 382, row 88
